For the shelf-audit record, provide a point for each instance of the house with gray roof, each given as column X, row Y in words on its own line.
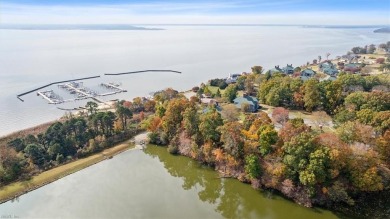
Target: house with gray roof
column 307, row 74
column 330, row 71
column 328, row 68
column 232, row 78
column 246, row 99
column 353, row 67
column 288, row 70
column 277, row 69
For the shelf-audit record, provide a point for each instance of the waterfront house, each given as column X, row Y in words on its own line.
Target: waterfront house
column 246, row 99
column 232, row 78
column 352, row 67
column 330, row 71
column 277, row 69
column 288, row 70
column 328, row 68
column 307, row 74
column 209, row 101
column 349, row 58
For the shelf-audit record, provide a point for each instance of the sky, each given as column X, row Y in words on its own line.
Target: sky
column 310, row 12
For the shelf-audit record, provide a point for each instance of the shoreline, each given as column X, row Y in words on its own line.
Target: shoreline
column 31, row 130
column 16, row 189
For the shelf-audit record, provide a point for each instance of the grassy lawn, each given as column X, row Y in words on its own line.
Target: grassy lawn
column 214, row 89
column 309, row 118
column 15, row 189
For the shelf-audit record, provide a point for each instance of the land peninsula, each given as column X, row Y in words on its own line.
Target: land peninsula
column 302, row 131
column 382, row 30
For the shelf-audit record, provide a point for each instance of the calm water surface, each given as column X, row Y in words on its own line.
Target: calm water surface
column 32, row 58
column 153, row 184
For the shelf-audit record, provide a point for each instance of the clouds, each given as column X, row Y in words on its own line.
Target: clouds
column 225, row 12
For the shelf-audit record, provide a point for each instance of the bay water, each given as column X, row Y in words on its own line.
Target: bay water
column 33, row 58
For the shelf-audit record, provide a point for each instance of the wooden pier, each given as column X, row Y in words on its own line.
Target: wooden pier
column 84, row 94
column 50, row 96
column 112, row 86
column 46, row 97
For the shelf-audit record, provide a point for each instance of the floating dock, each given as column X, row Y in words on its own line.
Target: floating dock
column 113, row 86
column 50, row 96
column 82, row 92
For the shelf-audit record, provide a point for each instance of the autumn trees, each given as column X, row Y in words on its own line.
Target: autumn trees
column 311, row 95
column 75, row 137
column 124, row 114
column 230, row 93
column 91, row 107
column 181, row 115
column 280, row 115
column 173, row 117
column 209, row 123
column 306, row 162
column 369, row 49
column 252, row 166
column 232, row 139
column 278, row 90
column 12, row 165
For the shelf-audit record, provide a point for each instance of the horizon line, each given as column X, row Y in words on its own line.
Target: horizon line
column 207, row 24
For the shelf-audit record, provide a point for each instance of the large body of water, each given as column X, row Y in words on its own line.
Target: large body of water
column 31, row 58
column 153, row 184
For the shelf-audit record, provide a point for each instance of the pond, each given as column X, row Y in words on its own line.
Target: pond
column 153, row 184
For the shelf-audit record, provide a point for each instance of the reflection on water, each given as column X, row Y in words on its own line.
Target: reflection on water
column 230, row 198
column 152, row 184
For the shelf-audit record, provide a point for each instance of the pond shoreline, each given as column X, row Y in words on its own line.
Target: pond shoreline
column 18, row 188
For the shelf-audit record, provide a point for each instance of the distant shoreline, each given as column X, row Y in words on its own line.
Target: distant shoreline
column 73, row 27
column 148, row 26
column 382, row 30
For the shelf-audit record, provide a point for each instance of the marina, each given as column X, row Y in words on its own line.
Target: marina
column 47, row 85
column 80, row 92
column 50, row 96
column 112, row 86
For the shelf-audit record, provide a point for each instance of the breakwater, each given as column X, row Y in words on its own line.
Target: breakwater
column 47, row 85
column 143, row 71
column 86, row 78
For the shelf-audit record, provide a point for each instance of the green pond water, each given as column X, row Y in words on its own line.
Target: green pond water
column 153, row 184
